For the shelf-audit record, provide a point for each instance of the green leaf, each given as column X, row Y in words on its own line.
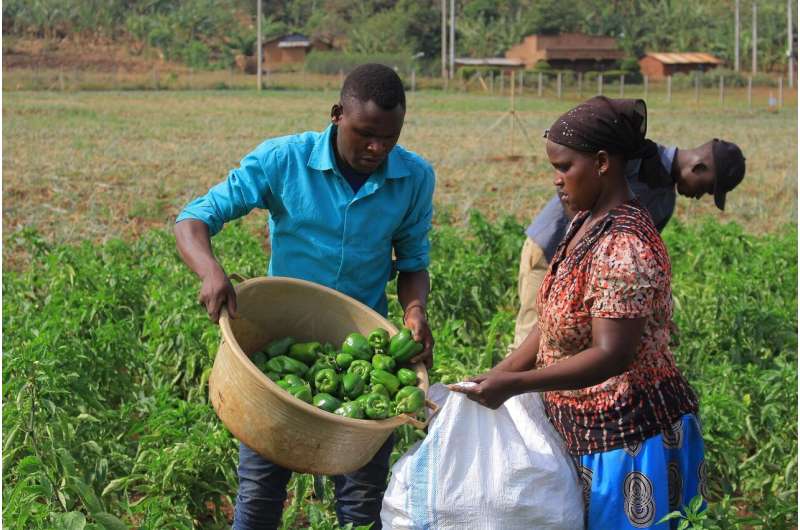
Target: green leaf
column 28, row 465
column 70, row 521
column 671, row 515
column 695, row 504
column 109, row 522
column 115, row 485
column 87, row 495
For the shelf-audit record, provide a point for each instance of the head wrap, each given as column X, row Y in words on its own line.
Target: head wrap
column 617, row 126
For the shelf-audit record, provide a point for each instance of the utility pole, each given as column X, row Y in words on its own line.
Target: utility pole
column 789, row 38
column 260, row 49
column 755, row 38
column 444, row 39
column 736, row 37
column 452, row 37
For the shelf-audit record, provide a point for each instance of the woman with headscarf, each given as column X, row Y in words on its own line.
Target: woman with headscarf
column 600, row 352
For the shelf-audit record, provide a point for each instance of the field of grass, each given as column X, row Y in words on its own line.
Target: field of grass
column 106, row 353
column 96, row 165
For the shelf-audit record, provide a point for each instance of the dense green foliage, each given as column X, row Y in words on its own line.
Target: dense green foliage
column 202, row 32
column 106, row 357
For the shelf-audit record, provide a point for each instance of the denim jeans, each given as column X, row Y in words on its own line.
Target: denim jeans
column 262, row 491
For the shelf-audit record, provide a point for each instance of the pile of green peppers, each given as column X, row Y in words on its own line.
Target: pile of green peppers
column 365, row 378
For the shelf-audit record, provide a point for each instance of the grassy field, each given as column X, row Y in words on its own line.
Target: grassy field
column 96, row 165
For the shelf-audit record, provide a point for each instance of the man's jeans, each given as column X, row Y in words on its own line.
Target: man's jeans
column 262, row 491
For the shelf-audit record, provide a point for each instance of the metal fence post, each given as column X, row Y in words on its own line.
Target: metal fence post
column 780, row 92
column 721, row 90
column 622, row 86
column 669, row 89
column 559, row 85
column 697, row 87
column 600, row 84
column 646, row 86
column 580, row 84
column 750, row 92
column 539, row 92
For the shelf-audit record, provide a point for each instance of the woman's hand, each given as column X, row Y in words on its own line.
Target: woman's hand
column 493, row 388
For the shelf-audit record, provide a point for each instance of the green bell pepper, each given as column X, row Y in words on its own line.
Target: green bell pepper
column 356, row 345
column 407, row 377
column 386, row 379
column 344, row 360
column 351, row 409
column 305, row 352
column 326, row 402
column 403, row 347
column 328, row 349
column 362, row 399
column 283, row 384
column 379, row 388
column 383, row 362
column 409, row 399
column 273, row 375
column 379, row 340
column 326, row 381
column 360, row 367
column 377, row 406
column 301, row 392
column 259, row 359
column 279, row 347
column 352, row 386
column 286, row 365
column 294, row 380
column 321, row 364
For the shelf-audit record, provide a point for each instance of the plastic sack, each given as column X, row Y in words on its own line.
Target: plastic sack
column 485, row 469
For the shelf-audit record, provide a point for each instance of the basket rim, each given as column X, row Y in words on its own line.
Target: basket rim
column 228, row 336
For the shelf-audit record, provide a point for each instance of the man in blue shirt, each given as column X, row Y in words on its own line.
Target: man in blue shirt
column 340, row 203
column 714, row 168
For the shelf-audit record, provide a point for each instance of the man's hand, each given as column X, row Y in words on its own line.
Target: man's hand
column 216, row 291
column 417, row 322
column 493, row 388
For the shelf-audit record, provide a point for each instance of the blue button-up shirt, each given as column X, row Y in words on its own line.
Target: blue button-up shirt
column 320, row 230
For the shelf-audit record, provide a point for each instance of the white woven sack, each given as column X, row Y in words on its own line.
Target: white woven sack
column 482, row 469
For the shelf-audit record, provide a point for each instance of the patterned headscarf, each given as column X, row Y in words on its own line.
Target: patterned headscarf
column 617, row 126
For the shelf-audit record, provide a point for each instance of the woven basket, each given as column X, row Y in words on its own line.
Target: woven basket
column 266, row 418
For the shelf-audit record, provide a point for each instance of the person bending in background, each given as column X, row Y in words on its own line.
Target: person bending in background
column 714, row 168
column 339, row 203
column 599, row 354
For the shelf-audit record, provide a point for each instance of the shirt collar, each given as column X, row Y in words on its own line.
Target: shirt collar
column 323, row 158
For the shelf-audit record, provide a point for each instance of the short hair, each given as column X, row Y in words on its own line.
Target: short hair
column 375, row 82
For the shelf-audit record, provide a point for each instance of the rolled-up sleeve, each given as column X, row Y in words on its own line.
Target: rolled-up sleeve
column 247, row 187
column 410, row 241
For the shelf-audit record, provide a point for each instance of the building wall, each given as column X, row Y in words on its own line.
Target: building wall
column 652, row 68
column 275, row 56
column 582, row 65
column 567, row 50
column 655, row 69
column 526, row 51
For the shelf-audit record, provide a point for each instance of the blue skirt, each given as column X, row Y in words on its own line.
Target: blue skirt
column 635, row 486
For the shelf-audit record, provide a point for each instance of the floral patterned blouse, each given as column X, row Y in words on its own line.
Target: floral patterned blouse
column 619, row 269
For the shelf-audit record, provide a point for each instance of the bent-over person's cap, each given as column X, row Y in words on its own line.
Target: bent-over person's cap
column 729, row 164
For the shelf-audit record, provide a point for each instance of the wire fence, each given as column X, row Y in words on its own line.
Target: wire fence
column 708, row 88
